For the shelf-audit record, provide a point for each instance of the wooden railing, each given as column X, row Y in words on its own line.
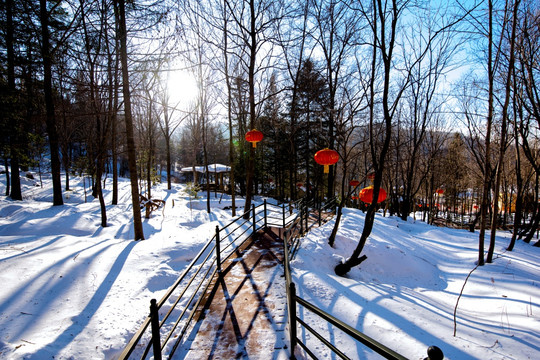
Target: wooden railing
column 163, row 334
column 294, row 302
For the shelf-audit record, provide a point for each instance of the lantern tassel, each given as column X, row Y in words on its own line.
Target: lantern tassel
column 326, row 169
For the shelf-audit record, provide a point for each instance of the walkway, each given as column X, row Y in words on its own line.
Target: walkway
column 246, row 314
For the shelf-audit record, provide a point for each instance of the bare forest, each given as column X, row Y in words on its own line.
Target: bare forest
column 435, row 103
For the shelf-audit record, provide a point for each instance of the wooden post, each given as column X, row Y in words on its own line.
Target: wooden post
column 302, row 221
column 283, row 210
column 265, row 216
column 434, row 353
column 306, row 214
column 154, row 320
column 292, row 317
column 218, row 251
column 254, row 220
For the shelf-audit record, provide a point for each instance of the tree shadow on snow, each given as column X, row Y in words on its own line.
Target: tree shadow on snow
column 80, row 321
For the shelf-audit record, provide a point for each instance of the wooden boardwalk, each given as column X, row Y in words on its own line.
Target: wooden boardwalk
column 246, row 313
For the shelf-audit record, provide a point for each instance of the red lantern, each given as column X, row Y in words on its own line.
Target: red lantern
column 354, row 197
column 366, row 195
column 475, row 207
column 440, row 191
column 299, row 185
column 354, row 183
column 371, row 176
column 326, row 157
column 254, row 136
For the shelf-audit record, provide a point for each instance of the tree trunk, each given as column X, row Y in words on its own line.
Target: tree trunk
column 250, row 168
column 519, row 179
column 99, row 135
column 113, row 111
column 229, row 106
column 149, row 169
column 205, row 155
column 132, row 161
column 378, row 161
column 502, row 145
column 344, row 197
column 100, row 191
column 14, row 145
column 532, row 228
column 49, row 104
column 487, row 167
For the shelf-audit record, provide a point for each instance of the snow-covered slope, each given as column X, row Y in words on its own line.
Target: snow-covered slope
column 74, row 290
column 405, row 293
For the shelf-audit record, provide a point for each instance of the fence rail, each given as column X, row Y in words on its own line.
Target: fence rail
column 184, row 298
column 290, row 241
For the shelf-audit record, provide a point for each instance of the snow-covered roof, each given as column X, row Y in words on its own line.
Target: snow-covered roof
column 213, row 168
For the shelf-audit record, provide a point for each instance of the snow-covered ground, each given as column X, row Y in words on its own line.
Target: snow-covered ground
column 404, row 295
column 74, row 290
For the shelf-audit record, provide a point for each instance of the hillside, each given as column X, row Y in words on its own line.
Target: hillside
column 74, row 290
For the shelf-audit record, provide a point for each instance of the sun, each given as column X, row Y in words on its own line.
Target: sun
column 181, row 86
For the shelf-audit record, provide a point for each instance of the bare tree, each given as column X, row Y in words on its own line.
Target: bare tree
column 292, row 37
column 528, row 55
column 489, row 123
column 510, row 10
column 253, row 20
column 120, row 13
column 93, row 45
column 423, row 102
column 11, row 107
column 335, row 31
column 49, row 101
column 384, row 20
column 350, row 144
column 168, row 125
column 226, row 20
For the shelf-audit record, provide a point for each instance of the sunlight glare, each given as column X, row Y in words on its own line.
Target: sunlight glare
column 182, row 87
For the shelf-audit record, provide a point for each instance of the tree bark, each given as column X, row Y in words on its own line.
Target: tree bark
column 250, row 168
column 487, row 165
column 378, row 161
column 132, row 161
column 14, row 145
column 502, row 145
column 518, row 116
column 229, row 107
column 49, row 104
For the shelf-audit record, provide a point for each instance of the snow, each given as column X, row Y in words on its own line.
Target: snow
column 74, row 290
column 405, row 293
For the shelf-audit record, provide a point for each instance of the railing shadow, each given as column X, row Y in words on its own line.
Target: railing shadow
column 297, row 304
column 178, row 307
